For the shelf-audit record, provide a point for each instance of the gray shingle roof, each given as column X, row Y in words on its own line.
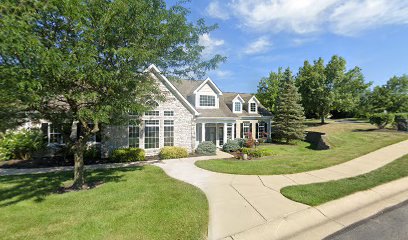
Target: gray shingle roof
column 187, row 87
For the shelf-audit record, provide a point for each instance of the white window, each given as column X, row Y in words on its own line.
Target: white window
column 207, row 101
column 246, row 129
column 55, row 135
column 133, row 134
column 252, row 107
column 237, row 107
column 262, row 130
column 152, row 134
column 168, row 132
column 152, row 113
column 168, row 113
column 229, row 131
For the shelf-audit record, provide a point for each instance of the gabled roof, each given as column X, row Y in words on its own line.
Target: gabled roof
column 186, row 87
column 210, row 82
column 154, row 70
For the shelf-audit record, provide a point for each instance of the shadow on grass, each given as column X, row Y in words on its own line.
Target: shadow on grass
column 37, row 186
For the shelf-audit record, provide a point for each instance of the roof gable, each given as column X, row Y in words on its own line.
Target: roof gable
column 211, row 84
column 156, row 72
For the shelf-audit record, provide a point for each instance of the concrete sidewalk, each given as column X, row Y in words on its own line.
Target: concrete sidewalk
column 251, row 207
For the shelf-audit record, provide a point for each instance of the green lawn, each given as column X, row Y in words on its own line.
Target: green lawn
column 348, row 141
column 318, row 193
column 138, row 203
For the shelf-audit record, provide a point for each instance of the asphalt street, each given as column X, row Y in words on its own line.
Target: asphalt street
column 390, row 224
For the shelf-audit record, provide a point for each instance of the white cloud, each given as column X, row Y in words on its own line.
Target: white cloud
column 215, row 10
column 343, row 17
column 353, row 16
column 260, row 45
column 211, row 45
column 299, row 16
column 221, row 74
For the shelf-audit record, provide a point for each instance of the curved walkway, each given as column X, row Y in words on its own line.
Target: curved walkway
column 251, row 206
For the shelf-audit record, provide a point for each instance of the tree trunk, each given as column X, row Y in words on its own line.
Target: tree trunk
column 322, row 119
column 79, row 179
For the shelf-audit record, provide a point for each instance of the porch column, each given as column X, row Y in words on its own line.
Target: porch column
column 225, row 133
column 217, row 135
column 233, row 131
column 202, row 132
column 269, row 129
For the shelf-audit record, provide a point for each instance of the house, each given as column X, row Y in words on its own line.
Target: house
column 194, row 111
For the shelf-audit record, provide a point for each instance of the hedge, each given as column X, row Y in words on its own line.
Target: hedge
column 127, row 155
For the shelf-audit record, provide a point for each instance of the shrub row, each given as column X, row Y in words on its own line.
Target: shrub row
column 381, row 120
column 234, row 145
column 127, row 155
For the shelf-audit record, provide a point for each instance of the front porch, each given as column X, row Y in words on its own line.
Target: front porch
column 219, row 132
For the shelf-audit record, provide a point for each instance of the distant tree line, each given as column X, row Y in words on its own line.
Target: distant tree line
column 332, row 89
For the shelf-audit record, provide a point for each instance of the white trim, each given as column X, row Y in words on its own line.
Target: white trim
column 153, row 69
column 208, row 80
column 240, row 98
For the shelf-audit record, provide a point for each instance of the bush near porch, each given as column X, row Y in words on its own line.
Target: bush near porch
column 127, row 155
column 206, row 148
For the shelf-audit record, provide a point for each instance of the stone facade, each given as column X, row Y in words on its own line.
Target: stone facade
column 184, row 127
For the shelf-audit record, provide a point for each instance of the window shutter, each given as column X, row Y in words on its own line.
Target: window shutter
column 242, row 130
column 44, row 129
column 257, row 130
column 250, row 130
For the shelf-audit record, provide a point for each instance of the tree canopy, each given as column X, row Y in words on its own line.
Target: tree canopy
column 268, row 89
column 83, row 61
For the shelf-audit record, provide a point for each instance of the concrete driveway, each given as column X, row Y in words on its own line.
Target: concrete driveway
column 251, row 207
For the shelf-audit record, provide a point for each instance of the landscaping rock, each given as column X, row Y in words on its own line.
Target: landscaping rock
column 317, row 140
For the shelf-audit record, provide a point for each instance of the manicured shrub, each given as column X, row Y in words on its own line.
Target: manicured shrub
column 127, row 155
column 401, row 121
column 241, row 142
column 381, row 120
column 173, row 152
column 206, row 148
column 255, row 152
column 250, row 143
column 21, row 144
column 231, row 146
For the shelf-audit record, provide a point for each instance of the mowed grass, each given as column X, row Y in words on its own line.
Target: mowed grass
column 319, row 193
column 141, row 203
column 348, row 140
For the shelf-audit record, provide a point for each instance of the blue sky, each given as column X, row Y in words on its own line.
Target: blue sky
column 259, row 36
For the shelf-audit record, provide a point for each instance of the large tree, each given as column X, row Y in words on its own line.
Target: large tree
column 289, row 116
column 268, row 89
column 391, row 97
column 330, row 87
column 83, row 62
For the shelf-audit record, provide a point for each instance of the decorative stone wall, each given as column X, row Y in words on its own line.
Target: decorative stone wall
column 317, row 140
column 184, row 127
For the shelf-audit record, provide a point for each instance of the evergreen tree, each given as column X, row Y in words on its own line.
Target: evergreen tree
column 288, row 121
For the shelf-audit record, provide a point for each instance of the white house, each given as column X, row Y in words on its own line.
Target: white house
column 194, row 111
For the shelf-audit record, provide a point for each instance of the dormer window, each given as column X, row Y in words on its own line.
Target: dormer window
column 252, row 107
column 207, row 101
column 237, row 107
